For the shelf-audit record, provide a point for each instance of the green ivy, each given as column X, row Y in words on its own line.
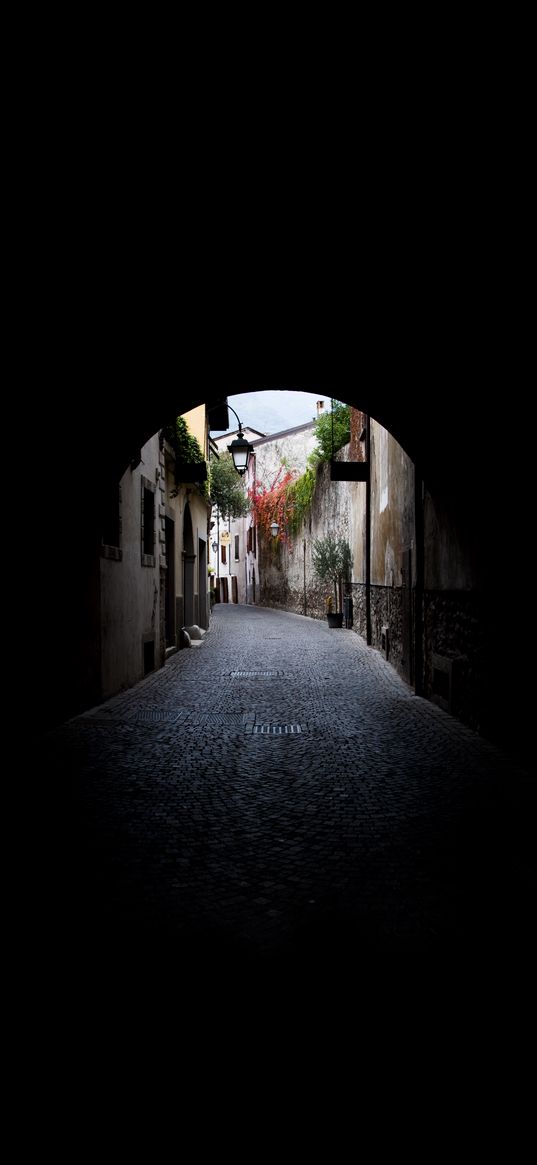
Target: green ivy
column 299, row 496
column 187, row 449
column 332, row 432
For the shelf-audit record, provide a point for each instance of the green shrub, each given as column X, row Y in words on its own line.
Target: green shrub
column 332, row 562
column 332, row 432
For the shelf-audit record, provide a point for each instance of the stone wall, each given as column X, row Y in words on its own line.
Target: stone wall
column 457, row 671
column 386, row 613
column 338, row 507
column 286, row 568
column 392, row 507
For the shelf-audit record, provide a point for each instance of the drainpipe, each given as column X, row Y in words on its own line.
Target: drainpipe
column 420, row 581
column 368, row 533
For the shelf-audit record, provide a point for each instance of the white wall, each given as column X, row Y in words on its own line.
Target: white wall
column 129, row 591
column 290, row 449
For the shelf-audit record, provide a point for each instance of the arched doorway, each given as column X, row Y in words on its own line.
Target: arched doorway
column 202, row 618
column 169, row 597
column 189, row 560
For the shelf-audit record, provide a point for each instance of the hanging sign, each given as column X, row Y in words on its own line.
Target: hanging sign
column 225, row 538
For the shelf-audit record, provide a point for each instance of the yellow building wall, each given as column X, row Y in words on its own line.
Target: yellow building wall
column 196, row 420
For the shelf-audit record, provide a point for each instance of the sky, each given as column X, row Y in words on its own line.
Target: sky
column 274, row 410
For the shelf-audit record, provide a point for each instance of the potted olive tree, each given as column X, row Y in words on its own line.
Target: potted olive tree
column 332, row 562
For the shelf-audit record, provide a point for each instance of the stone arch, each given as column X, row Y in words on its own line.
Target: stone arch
column 474, row 458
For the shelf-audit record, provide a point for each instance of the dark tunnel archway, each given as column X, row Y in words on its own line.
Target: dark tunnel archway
column 456, row 439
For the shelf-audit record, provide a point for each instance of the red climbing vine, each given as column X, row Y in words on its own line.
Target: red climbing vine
column 270, row 503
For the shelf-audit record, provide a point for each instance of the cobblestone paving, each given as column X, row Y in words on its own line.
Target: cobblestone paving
column 279, row 794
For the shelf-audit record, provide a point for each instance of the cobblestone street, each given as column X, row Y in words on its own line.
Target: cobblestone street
column 279, row 795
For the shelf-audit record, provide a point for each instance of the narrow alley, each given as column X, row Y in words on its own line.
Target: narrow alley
column 279, row 795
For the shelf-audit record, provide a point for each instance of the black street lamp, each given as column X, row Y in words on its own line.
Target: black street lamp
column 240, row 448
